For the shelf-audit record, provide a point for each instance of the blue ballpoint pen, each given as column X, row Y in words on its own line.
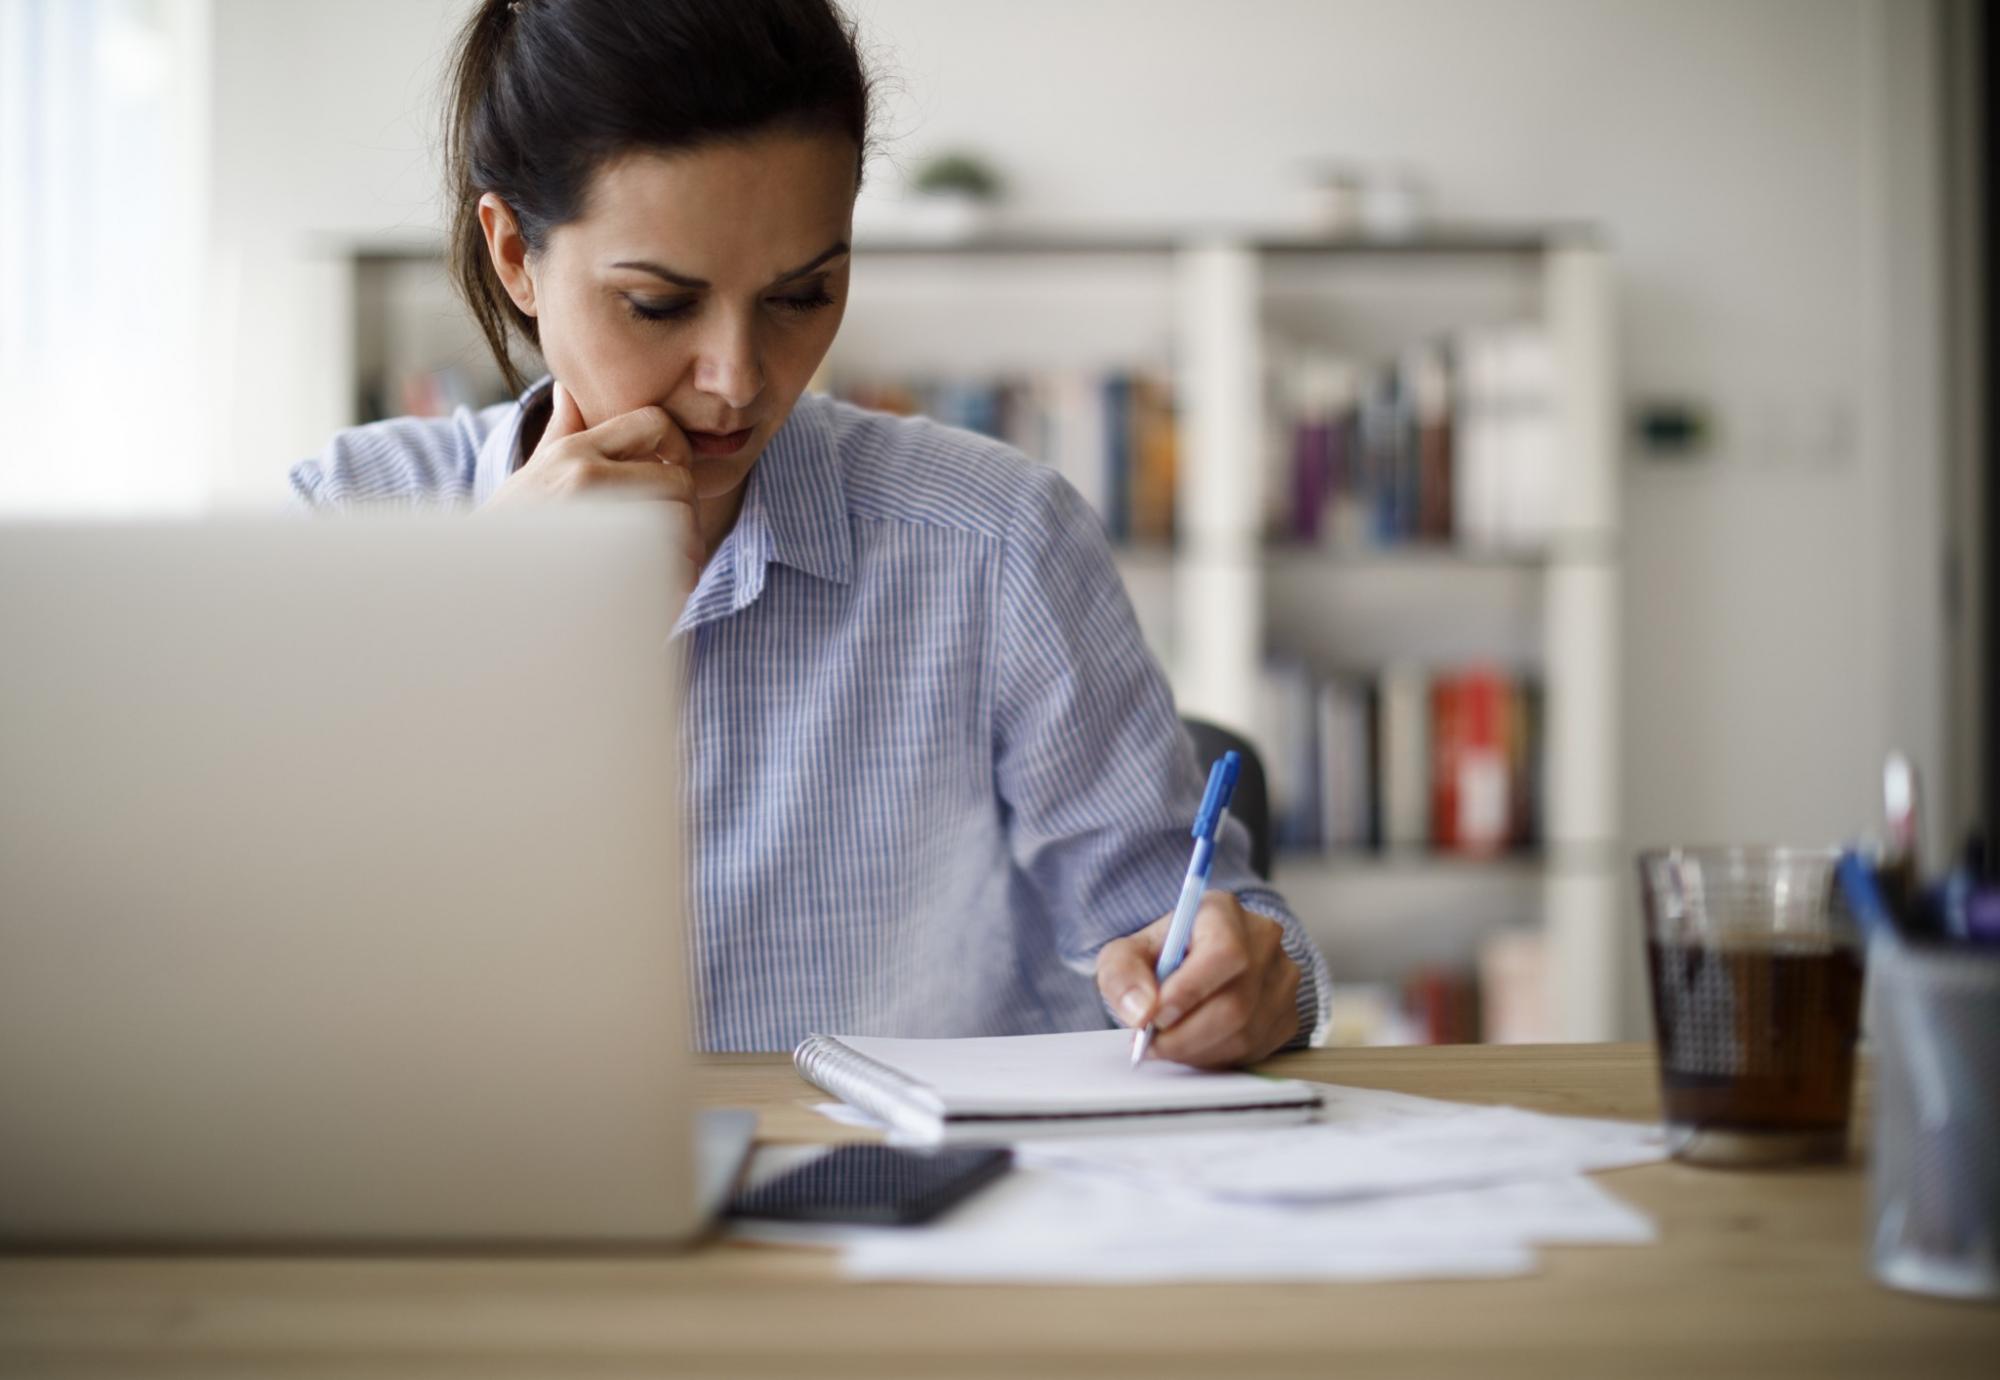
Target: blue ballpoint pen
column 1207, row 825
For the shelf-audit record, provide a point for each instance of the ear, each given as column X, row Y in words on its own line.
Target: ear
column 508, row 250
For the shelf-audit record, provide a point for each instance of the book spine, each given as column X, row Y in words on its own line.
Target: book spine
column 1513, row 988
column 1524, row 742
column 1153, row 462
column 1292, row 758
column 1447, row 760
column 1431, row 407
column 1080, row 448
column 1405, row 757
column 1483, row 773
column 1118, row 457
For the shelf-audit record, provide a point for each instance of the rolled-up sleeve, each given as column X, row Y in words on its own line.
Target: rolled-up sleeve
column 1095, row 772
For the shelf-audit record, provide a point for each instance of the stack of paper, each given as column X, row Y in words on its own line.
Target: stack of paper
column 1383, row 1186
column 1045, row 1225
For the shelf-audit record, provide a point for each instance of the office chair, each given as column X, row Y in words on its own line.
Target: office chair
column 1252, row 802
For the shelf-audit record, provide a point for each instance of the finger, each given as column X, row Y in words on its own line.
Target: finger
column 623, row 479
column 1220, row 1034
column 674, row 448
column 1216, row 956
column 565, row 418
column 1125, row 974
column 1217, row 1033
column 634, row 435
column 672, row 482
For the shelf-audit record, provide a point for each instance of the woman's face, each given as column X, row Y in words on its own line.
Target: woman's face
column 709, row 281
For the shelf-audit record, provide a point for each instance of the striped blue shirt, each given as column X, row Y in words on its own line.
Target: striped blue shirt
column 931, row 766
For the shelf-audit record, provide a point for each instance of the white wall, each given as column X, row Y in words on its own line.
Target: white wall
column 1747, row 158
column 324, row 132
column 1731, row 150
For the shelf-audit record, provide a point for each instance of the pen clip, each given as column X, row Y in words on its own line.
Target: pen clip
column 1215, row 800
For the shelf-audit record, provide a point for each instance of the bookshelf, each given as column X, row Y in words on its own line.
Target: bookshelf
column 1215, row 316
column 1213, row 312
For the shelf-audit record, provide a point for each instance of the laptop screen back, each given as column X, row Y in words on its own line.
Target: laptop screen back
column 340, row 882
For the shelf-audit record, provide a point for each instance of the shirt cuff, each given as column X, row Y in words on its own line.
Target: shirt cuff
column 1315, row 999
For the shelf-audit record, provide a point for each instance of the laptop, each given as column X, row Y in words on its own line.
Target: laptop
column 341, row 895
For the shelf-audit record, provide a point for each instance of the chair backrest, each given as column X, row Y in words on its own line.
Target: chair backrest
column 1252, row 802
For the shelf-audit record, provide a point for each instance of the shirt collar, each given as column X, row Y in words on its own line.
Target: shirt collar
column 797, row 496
column 499, row 453
column 794, row 513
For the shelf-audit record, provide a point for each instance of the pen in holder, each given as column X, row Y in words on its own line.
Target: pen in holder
column 1935, row 1177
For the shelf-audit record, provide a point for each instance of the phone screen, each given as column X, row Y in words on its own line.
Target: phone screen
column 877, row 1184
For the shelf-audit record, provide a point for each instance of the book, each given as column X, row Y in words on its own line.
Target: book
column 1118, row 457
column 1291, row 771
column 1429, row 391
column 1514, row 988
column 1443, row 1004
column 1449, row 441
column 1154, row 458
column 1443, row 760
column 1405, row 779
column 1012, row 1087
column 1476, row 757
column 1345, row 771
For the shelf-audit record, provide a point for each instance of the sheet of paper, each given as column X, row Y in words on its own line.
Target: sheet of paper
column 1239, row 1263
column 1367, row 1143
column 850, row 1116
column 1388, row 1186
column 1050, row 1225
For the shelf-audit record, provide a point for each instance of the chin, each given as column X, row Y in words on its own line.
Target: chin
column 717, row 478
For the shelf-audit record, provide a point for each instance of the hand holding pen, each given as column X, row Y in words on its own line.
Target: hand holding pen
column 1223, row 992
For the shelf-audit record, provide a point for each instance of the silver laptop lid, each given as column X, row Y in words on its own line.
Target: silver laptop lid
column 340, row 884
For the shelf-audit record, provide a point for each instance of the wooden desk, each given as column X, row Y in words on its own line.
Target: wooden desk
column 1756, row 1274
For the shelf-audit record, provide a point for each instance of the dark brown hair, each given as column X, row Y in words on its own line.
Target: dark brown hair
column 543, row 92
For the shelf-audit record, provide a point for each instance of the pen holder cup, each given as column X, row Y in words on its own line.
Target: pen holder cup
column 1935, row 1181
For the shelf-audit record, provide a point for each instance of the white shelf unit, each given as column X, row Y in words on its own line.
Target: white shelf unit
column 1222, row 599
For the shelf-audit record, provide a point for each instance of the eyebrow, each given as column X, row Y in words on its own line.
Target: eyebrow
column 833, row 251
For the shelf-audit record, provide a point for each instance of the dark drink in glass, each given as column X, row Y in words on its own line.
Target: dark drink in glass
column 1755, row 971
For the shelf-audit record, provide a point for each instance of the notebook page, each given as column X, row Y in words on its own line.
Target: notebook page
column 1084, row 1071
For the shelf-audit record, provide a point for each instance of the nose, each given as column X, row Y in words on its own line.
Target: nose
column 726, row 362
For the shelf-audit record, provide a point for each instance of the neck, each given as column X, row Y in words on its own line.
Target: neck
column 714, row 517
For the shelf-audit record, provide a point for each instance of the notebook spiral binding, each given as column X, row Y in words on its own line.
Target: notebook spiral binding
column 862, row 1082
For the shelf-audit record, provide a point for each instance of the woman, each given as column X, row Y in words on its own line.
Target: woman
column 937, row 784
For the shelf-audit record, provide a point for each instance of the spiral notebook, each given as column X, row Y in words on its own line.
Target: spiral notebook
column 1016, row 1087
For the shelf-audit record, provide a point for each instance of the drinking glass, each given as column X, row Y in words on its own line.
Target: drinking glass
column 1756, row 971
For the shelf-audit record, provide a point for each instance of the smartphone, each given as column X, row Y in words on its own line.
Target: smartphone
column 875, row 1184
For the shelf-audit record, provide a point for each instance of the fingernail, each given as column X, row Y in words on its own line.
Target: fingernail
column 1133, row 1004
column 1168, row 1015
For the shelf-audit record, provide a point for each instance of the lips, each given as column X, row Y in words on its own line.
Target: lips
column 718, row 443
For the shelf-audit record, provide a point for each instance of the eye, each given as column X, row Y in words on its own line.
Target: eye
column 659, row 311
column 812, row 299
